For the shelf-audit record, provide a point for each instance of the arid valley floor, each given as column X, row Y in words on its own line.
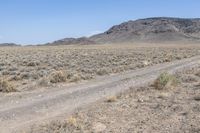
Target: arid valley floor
column 27, row 70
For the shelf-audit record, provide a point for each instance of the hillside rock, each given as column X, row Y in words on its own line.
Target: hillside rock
column 152, row 30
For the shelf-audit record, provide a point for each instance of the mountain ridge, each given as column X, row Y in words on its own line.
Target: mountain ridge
column 155, row 29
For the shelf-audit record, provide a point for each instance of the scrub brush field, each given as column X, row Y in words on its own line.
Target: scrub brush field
column 28, row 68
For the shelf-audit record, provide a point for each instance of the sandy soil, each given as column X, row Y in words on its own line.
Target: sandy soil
column 139, row 110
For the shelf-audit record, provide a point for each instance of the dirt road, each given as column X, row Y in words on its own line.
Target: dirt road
column 20, row 110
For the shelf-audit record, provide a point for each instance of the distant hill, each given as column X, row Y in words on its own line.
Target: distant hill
column 152, row 30
column 71, row 41
column 160, row 29
column 8, row 44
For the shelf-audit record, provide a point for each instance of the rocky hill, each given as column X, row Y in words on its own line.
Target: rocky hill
column 152, row 30
column 160, row 29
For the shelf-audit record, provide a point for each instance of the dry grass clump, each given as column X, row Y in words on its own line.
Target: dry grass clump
column 72, row 121
column 111, row 99
column 197, row 73
column 32, row 64
column 75, row 77
column 187, row 78
column 102, row 71
column 6, row 86
column 58, row 77
column 197, row 98
column 165, row 81
column 44, row 81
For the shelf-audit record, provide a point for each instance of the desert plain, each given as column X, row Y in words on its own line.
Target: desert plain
column 159, row 106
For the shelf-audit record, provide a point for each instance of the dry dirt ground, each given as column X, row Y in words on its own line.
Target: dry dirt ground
column 139, row 110
column 28, row 68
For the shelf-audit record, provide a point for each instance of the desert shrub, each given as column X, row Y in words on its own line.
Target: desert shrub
column 166, row 60
column 32, row 63
column 178, row 57
column 102, row 71
column 165, row 81
column 198, row 74
column 75, row 78
column 42, row 72
column 35, row 76
column 112, row 99
column 5, row 72
column 13, row 73
column 72, row 121
column 146, row 63
column 87, row 76
column 197, row 98
column 1, row 68
column 15, row 78
column 25, row 75
column 189, row 78
column 6, row 86
column 13, row 69
column 58, row 76
column 44, row 81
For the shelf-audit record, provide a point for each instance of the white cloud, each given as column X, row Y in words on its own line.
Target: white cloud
column 94, row 33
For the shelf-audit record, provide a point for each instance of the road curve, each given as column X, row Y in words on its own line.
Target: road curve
column 24, row 109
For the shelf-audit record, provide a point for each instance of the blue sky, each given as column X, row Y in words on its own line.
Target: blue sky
column 41, row 21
